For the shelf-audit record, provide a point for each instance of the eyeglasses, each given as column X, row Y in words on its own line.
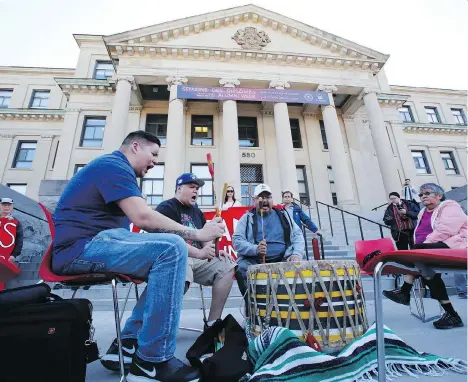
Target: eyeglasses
column 229, row 191
column 265, row 197
column 427, row 193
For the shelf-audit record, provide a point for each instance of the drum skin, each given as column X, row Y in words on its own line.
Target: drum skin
column 323, row 298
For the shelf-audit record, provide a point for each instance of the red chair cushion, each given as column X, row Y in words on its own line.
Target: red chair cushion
column 8, row 270
column 449, row 259
column 364, row 247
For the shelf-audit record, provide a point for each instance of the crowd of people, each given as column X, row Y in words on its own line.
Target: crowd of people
column 92, row 218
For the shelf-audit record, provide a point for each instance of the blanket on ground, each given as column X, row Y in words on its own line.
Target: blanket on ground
column 278, row 355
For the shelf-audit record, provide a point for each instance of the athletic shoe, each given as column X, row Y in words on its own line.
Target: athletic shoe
column 397, row 296
column 448, row 321
column 111, row 359
column 173, row 370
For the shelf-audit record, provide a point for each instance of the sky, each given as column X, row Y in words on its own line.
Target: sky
column 424, row 38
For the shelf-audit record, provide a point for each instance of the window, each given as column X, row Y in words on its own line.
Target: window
column 103, row 70
column 5, row 97
column 93, row 132
column 248, row 133
column 432, row 114
column 420, row 162
column 24, row 155
column 202, row 130
column 449, row 163
column 302, row 183
column 78, row 167
column 251, row 175
column 405, row 114
column 205, row 194
column 152, row 185
column 157, row 124
column 324, row 135
column 458, row 115
column 332, row 186
column 39, row 99
column 295, row 133
column 18, row 187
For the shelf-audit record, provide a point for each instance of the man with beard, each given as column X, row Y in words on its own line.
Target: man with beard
column 91, row 235
column 218, row 272
column 265, row 232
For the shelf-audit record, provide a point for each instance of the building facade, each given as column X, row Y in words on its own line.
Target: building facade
column 352, row 152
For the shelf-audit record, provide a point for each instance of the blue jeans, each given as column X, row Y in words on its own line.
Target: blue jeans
column 158, row 258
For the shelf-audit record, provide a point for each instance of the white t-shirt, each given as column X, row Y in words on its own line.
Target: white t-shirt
column 231, row 204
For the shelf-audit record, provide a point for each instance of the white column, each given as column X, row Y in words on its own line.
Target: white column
column 175, row 139
column 230, row 135
column 284, row 144
column 338, row 160
column 383, row 150
column 118, row 127
column 6, row 140
column 66, row 144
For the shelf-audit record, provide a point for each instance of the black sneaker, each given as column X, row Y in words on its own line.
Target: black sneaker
column 173, row 370
column 448, row 321
column 111, row 359
column 397, row 296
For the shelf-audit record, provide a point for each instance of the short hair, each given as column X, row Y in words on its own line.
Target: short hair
column 394, row 194
column 407, row 179
column 141, row 135
column 435, row 188
column 287, row 192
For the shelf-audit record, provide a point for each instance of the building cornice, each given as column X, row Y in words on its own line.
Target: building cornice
column 415, row 89
column 85, row 85
column 251, row 14
column 32, row 114
column 392, row 100
column 40, row 70
column 119, row 50
column 424, row 128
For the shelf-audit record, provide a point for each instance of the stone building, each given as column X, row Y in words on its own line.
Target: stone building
column 351, row 152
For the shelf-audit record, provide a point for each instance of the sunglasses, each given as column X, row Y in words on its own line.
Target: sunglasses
column 229, row 191
column 425, row 194
column 370, row 256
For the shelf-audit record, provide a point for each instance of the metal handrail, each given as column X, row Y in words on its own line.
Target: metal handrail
column 376, row 208
column 381, row 226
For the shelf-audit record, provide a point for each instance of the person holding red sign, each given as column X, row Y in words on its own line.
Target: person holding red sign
column 11, row 232
column 202, row 265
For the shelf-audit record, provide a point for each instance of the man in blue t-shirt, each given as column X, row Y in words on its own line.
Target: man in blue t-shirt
column 91, row 235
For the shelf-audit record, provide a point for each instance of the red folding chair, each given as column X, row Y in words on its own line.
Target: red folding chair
column 87, row 280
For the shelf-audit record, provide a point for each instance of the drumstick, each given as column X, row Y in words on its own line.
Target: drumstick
column 263, row 227
column 218, row 209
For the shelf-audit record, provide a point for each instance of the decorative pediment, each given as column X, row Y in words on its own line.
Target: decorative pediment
column 247, row 32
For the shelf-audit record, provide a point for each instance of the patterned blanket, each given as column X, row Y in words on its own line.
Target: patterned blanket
column 278, row 355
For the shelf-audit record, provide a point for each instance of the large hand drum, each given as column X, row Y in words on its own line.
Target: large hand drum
column 322, row 298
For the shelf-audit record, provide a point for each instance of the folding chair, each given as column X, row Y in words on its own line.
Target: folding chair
column 87, row 280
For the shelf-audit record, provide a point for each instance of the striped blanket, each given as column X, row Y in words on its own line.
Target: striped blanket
column 278, row 355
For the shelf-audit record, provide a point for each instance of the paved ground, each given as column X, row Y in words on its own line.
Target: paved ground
column 423, row 337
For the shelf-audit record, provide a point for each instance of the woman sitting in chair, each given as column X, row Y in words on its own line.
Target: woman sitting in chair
column 441, row 224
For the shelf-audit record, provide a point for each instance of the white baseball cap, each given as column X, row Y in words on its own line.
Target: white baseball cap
column 6, row 200
column 262, row 188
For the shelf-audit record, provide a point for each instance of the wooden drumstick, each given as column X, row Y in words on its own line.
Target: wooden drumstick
column 260, row 205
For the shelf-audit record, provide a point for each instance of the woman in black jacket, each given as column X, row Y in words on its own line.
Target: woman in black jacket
column 401, row 215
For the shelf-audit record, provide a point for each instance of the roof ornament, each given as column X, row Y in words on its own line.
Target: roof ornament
column 250, row 38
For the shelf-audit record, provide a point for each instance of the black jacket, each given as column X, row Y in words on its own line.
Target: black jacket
column 389, row 216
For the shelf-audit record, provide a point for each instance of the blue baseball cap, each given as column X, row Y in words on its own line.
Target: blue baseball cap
column 188, row 177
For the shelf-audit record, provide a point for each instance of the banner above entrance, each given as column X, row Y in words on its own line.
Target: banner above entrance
column 246, row 94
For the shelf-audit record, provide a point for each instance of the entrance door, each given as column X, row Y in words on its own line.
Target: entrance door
column 251, row 176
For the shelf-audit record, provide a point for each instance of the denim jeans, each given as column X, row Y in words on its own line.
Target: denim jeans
column 158, row 258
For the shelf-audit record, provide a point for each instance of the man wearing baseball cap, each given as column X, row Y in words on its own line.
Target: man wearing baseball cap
column 11, row 232
column 202, row 265
column 265, row 232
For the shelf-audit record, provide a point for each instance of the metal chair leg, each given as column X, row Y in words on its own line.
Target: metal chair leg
column 74, row 292
column 379, row 326
column 117, row 329
column 137, row 297
column 125, row 302
column 204, row 316
column 418, row 296
column 203, row 303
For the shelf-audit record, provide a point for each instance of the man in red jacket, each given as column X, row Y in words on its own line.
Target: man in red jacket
column 11, row 232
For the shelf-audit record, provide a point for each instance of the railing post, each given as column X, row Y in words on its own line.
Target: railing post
column 344, row 225
column 381, row 232
column 321, row 247
column 305, row 243
column 360, row 228
column 329, row 219
column 318, row 215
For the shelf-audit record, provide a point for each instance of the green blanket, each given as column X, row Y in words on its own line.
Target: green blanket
column 278, row 355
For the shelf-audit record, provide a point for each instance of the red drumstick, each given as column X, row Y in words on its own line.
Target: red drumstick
column 209, row 159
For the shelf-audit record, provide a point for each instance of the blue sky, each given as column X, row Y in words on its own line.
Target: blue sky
column 423, row 37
